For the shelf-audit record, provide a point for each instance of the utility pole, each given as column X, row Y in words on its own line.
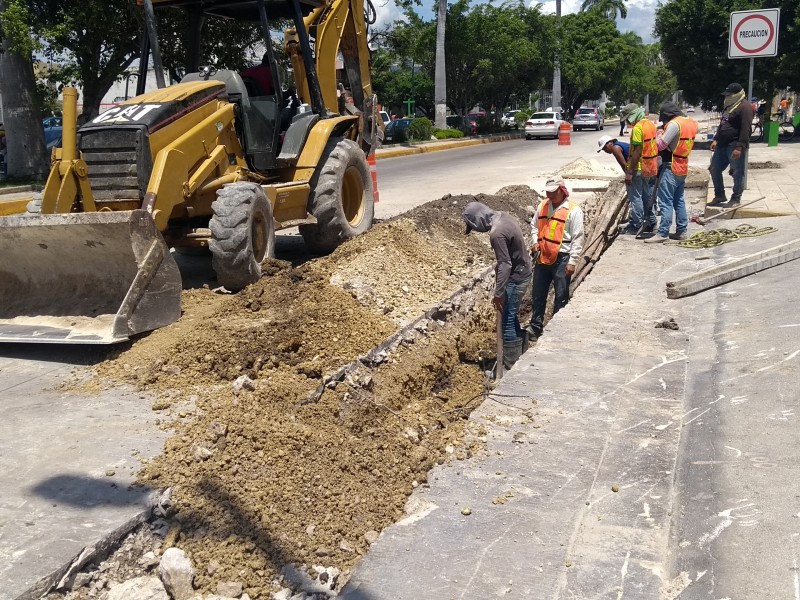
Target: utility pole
column 556, row 66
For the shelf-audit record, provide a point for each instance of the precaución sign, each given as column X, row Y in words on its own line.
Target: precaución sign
column 754, row 33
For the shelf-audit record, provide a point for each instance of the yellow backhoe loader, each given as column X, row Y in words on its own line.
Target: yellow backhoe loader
column 214, row 161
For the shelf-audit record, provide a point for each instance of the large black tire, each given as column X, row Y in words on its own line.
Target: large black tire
column 242, row 234
column 341, row 197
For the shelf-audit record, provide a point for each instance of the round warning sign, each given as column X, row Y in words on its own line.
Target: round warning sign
column 754, row 33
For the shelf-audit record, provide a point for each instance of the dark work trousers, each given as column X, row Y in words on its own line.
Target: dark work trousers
column 543, row 276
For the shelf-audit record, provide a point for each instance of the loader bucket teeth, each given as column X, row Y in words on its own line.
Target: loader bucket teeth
column 85, row 278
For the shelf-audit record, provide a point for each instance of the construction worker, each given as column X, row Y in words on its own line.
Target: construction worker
column 512, row 272
column 730, row 144
column 258, row 79
column 557, row 233
column 619, row 150
column 641, row 172
column 623, row 115
column 783, row 109
column 675, row 146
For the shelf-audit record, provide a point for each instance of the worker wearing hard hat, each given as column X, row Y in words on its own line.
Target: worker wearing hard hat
column 619, row 150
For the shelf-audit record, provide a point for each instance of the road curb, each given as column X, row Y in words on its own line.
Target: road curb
column 409, row 149
column 19, row 188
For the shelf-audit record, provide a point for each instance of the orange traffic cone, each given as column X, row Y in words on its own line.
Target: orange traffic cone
column 374, row 173
column 563, row 134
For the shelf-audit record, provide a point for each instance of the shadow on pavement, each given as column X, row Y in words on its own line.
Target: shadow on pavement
column 73, row 354
column 88, row 492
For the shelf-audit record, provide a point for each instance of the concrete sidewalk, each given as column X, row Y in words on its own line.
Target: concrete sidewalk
column 772, row 173
column 624, row 459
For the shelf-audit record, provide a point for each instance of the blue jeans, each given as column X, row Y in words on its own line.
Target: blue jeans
column 543, row 276
column 639, row 192
column 719, row 162
column 671, row 199
column 510, row 318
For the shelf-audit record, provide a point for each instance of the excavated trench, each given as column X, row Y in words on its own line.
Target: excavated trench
column 307, row 407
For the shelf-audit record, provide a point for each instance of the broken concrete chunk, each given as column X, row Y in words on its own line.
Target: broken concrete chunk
column 140, row 588
column 177, row 574
column 230, row 589
column 243, row 383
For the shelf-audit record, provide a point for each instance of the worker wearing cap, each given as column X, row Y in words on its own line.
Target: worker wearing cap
column 623, row 116
column 619, row 150
column 674, row 145
column 512, row 272
column 640, row 175
column 730, row 144
column 557, row 233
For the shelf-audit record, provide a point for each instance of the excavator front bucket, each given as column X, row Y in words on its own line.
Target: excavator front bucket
column 85, row 278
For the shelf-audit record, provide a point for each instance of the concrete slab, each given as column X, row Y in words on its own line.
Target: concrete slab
column 67, row 462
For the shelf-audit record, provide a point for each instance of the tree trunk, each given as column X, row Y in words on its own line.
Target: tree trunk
column 26, row 156
column 440, row 75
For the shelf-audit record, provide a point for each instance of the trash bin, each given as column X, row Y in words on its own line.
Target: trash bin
column 771, row 133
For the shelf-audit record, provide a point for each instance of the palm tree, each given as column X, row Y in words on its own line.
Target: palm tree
column 556, row 102
column 608, row 8
column 440, row 75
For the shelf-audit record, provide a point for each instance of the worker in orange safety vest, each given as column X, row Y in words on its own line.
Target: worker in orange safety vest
column 675, row 146
column 557, row 233
column 640, row 176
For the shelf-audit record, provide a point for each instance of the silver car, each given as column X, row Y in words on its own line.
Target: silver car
column 588, row 118
column 543, row 124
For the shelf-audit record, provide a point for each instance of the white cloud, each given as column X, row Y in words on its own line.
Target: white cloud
column 387, row 13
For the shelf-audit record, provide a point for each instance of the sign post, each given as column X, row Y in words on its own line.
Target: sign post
column 753, row 34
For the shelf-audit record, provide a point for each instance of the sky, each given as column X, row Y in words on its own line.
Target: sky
column 641, row 14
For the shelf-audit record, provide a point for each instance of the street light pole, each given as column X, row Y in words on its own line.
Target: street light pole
column 556, row 65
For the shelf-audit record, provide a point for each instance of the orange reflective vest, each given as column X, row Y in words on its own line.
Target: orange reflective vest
column 551, row 230
column 649, row 148
column 680, row 156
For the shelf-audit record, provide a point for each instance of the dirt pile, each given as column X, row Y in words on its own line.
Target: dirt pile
column 263, row 477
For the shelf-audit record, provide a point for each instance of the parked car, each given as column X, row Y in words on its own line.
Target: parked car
column 385, row 117
column 509, row 119
column 397, row 131
column 543, row 124
column 588, row 118
column 52, row 131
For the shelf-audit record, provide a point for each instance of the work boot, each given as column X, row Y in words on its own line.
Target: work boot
column 533, row 335
column 511, row 353
column 679, row 236
column 718, row 200
column 735, row 201
column 656, row 239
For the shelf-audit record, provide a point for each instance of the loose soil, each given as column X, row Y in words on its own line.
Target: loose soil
column 265, row 473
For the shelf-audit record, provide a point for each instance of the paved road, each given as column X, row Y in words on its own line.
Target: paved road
column 405, row 182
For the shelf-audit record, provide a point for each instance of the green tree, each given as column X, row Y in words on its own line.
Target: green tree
column 91, row 43
column 694, row 41
column 607, row 8
column 592, row 55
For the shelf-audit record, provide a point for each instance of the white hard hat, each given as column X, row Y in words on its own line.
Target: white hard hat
column 603, row 141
